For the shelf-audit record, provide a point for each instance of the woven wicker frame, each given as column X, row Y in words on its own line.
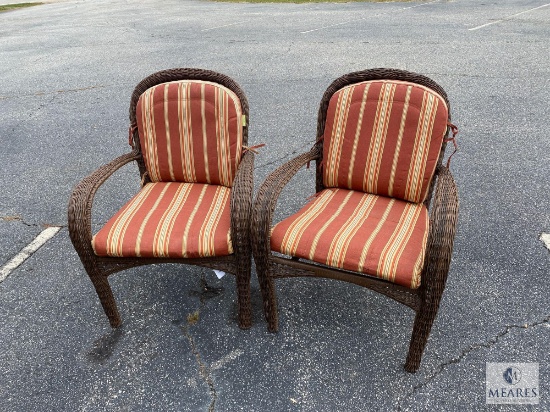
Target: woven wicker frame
column 80, row 205
column 443, row 216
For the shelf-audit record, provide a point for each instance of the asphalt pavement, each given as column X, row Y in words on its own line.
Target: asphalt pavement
column 67, row 70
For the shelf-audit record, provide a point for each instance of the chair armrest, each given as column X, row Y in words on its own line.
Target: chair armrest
column 443, row 219
column 241, row 202
column 268, row 194
column 80, row 202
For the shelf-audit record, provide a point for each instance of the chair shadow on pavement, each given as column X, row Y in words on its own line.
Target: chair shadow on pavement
column 104, row 347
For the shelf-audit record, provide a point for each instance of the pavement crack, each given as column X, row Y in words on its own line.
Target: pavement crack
column 204, row 371
column 465, row 352
column 290, row 47
column 12, row 218
column 206, row 292
column 53, row 92
column 18, row 218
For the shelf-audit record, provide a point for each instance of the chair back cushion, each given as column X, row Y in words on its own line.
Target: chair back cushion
column 190, row 131
column 384, row 137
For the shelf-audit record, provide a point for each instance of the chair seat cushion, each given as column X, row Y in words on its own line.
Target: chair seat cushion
column 169, row 220
column 361, row 232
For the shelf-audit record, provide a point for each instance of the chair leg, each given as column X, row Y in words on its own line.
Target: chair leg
column 421, row 330
column 269, row 297
column 107, row 299
column 243, row 295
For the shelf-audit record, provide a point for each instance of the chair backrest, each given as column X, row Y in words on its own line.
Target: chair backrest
column 384, row 137
column 190, row 131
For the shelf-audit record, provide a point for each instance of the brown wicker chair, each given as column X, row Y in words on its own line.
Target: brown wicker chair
column 194, row 206
column 345, row 232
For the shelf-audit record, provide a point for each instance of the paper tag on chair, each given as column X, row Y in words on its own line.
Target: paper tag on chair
column 219, row 273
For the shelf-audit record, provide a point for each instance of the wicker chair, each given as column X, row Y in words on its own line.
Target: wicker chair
column 188, row 132
column 381, row 138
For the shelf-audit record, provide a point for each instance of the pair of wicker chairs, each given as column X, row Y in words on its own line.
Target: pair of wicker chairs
column 379, row 152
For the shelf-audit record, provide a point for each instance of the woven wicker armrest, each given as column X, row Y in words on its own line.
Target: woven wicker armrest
column 80, row 203
column 241, row 202
column 268, row 194
column 443, row 218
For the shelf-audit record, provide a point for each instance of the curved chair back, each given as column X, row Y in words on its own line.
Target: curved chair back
column 360, row 110
column 190, row 130
column 384, row 137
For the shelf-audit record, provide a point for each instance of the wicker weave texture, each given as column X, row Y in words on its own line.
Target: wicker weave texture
column 424, row 300
column 80, row 207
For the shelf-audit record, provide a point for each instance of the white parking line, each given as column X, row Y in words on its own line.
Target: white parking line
column 225, row 25
column 27, row 251
column 234, row 354
column 364, row 18
column 545, row 238
column 508, row 18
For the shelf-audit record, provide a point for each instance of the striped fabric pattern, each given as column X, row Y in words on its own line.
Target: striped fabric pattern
column 357, row 231
column 190, row 131
column 169, row 220
column 384, row 138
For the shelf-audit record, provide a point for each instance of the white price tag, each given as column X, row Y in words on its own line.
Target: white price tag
column 219, row 273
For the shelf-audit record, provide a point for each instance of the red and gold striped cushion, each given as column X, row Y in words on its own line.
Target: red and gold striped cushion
column 357, row 231
column 384, row 138
column 170, row 220
column 190, row 131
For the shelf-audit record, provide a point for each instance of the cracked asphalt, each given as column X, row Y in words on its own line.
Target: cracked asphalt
column 66, row 75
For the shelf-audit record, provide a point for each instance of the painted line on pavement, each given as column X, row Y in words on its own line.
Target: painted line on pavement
column 507, row 18
column 225, row 25
column 545, row 238
column 28, row 251
column 234, row 354
column 367, row 17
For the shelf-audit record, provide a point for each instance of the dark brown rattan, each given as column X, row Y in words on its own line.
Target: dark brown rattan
column 443, row 215
column 80, row 208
